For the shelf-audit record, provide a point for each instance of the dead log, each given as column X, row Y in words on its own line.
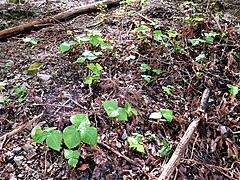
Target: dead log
column 73, row 12
column 179, row 151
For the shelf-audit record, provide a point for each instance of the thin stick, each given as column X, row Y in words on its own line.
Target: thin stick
column 19, row 129
column 179, row 151
column 119, row 154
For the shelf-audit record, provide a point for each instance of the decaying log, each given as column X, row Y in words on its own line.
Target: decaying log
column 73, row 12
column 179, row 151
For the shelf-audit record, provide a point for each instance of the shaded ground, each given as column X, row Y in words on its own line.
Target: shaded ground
column 213, row 152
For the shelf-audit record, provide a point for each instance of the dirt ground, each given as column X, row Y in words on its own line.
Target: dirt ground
column 59, row 91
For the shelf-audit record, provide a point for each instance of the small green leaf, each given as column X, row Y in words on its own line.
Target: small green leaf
column 40, row 136
column 33, row 68
column 158, row 35
column 68, row 153
column 81, row 60
column 155, row 115
column 147, row 77
column 72, row 162
column 200, row 57
column 196, row 41
column 88, row 135
column 64, row 47
column 80, row 120
column 71, row 137
column 167, row 113
column 165, row 151
column 110, row 106
column 54, row 140
column 157, row 71
column 31, row 40
column 89, row 55
column 122, row 116
column 134, row 142
column 234, row 89
column 145, row 67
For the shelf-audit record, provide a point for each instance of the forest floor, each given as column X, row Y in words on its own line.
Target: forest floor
column 160, row 56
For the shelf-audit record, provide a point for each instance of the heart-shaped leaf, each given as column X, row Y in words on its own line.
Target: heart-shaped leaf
column 54, row 140
column 71, row 137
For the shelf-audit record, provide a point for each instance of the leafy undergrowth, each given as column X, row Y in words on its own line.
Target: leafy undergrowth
column 135, row 76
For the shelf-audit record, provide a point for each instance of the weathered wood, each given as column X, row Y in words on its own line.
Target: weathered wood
column 179, row 151
column 73, row 12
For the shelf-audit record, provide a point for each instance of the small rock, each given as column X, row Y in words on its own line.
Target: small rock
column 44, row 77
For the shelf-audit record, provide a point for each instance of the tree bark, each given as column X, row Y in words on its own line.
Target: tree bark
column 73, row 12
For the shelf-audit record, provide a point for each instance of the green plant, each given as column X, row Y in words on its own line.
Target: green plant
column 201, row 57
column 166, row 113
column 96, row 69
column 147, row 77
column 72, row 136
column 30, row 40
column 145, row 67
column 234, row 89
column 21, row 92
column 134, row 141
column 122, row 114
column 168, row 89
column 166, row 149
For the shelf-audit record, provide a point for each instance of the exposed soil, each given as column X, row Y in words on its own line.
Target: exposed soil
column 213, row 152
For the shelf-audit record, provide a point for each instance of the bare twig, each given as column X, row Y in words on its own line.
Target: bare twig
column 179, row 151
column 119, row 154
column 19, row 129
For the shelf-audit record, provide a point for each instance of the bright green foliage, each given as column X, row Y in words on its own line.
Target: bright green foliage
column 166, row 149
column 147, row 77
column 96, row 69
column 53, row 137
column 196, row 41
column 145, row 67
column 134, row 141
column 30, row 40
column 234, row 89
column 200, row 57
column 142, row 29
column 80, row 131
column 166, row 113
column 112, row 109
column 210, row 36
column 167, row 89
column 21, row 91
column 88, row 55
column 33, row 68
column 157, row 71
column 159, row 36
column 72, row 157
column 66, row 46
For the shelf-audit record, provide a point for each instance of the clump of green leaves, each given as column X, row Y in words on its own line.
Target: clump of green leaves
column 168, row 89
column 72, row 136
column 95, row 71
column 144, row 68
column 21, row 92
column 134, row 141
column 166, row 113
column 208, row 38
column 88, row 55
column 94, row 39
column 234, row 89
column 166, row 149
column 30, row 40
column 122, row 114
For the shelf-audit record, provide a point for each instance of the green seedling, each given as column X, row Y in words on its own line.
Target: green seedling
column 122, row 114
column 72, row 136
column 34, row 68
column 134, row 141
column 166, row 149
column 166, row 113
column 21, row 92
column 96, row 69
column 201, row 57
column 157, row 71
column 66, row 46
column 145, row 67
column 147, row 77
column 72, row 157
column 209, row 37
column 88, row 55
column 234, row 89
column 167, row 89
column 30, row 40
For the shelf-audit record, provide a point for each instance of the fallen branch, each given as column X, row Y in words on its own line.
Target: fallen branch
column 19, row 129
column 179, row 151
column 38, row 24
